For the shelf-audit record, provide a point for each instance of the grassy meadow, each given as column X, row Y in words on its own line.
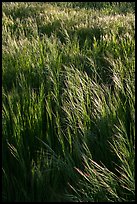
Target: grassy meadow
column 68, row 102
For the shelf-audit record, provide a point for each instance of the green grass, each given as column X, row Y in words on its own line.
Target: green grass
column 68, row 102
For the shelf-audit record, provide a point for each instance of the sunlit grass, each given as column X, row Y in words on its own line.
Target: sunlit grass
column 68, row 102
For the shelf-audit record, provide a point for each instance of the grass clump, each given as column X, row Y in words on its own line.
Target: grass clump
column 68, row 102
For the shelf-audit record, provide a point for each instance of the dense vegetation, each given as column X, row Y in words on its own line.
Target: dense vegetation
column 68, row 101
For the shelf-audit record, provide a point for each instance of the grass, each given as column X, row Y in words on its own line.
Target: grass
column 68, row 102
